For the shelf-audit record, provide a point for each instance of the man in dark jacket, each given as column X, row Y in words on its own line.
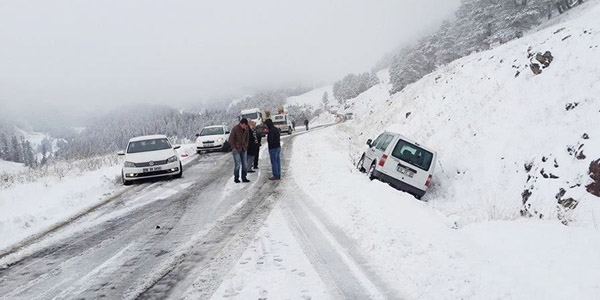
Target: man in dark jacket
column 253, row 146
column 273, row 138
column 238, row 140
column 258, row 140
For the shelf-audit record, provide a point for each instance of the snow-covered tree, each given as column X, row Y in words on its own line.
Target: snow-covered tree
column 28, row 156
column 4, row 147
column 16, row 154
column 352, row 85
column 325, row 99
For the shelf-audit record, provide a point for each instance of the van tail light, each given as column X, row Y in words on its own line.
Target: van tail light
column 382, row 160
column 428, row 182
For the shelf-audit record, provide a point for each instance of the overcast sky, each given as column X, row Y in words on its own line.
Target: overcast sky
column 85, row 53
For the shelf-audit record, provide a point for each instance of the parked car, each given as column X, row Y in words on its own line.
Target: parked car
column 148, row 157
column 400, row 162
column 213, row 138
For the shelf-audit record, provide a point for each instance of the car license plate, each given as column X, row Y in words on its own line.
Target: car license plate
column 209, row 144
column 151, row 169
column 405, row 171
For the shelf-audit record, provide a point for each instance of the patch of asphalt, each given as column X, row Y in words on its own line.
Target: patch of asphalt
column 114, row 258
column 39, row 236
column 197, row 272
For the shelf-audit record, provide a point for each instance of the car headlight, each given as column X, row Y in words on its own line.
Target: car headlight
column 172, row 159
column 220, row 139
column 129, row 164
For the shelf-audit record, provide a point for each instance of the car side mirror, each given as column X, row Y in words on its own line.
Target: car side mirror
column 369, row 141
column 227, row 132
column 121, row 153
column 197, row 134
column 177, row 147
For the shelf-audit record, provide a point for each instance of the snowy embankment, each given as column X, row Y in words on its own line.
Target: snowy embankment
column 419, row 249
column 503, row 134
column 26, row 209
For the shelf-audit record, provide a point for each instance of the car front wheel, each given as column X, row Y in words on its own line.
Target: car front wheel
column 226, row 147
column 125, row 181
column 180, row 171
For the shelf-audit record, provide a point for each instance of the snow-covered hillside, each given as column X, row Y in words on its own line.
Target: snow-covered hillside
column 503, row 134
column 313, row 98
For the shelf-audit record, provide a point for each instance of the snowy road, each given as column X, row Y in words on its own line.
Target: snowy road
column 180, row 238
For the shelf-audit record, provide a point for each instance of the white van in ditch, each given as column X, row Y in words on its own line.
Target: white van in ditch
column 402, row 163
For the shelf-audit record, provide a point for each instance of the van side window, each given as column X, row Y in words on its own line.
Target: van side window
column 413, row 154
column 385, row 141
column 377, row 140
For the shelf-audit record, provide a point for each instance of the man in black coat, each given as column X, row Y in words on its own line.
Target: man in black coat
column 273, row 138
column 253, row 146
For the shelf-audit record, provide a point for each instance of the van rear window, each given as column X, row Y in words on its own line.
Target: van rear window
column 413, row 155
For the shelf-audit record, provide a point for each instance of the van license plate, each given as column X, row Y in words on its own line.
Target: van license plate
column 405, row 171
column 151, row 169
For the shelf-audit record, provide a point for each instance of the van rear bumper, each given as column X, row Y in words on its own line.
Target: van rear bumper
column 401, row 185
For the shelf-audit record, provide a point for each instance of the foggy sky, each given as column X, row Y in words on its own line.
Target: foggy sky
column 84, row 53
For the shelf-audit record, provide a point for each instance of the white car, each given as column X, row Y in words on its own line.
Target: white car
column 148, row 157
column 404, row 164
column 213, row 138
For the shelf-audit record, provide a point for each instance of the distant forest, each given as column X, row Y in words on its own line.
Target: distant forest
column 109, row 132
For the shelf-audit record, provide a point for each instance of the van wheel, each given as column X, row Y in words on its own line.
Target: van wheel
column 360, row 163
column 371, row 172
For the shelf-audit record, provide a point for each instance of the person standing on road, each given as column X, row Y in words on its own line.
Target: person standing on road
column 258, row 136
column 306, row 124
column 238, row 139
column 253, row 145
column 274, row 149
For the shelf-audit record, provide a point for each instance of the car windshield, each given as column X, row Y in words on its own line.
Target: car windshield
column 148, row 145
column 250, row 116
column 212, row 131
column 413, row 154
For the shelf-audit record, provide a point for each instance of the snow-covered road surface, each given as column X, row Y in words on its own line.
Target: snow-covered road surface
column 180, row 238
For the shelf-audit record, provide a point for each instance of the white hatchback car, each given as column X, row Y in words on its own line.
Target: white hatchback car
column 402, row 163
column 213, row 138
column 148, row 157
